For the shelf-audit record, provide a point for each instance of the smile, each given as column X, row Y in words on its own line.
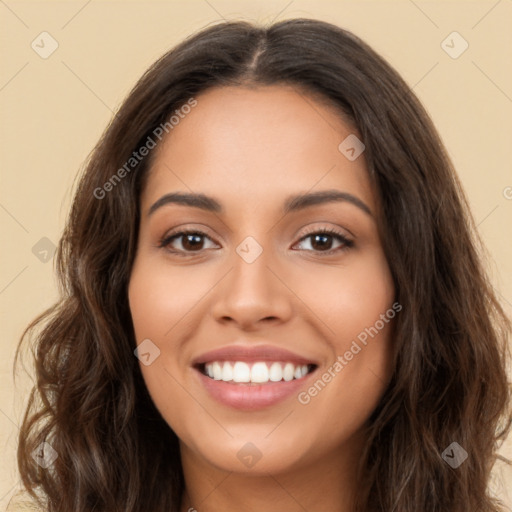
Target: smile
column 260, row 372
column 252, row 376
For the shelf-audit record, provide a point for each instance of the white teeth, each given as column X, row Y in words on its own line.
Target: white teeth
column 276, row 372
column 260, row 372
column 241, row 372
column 288, row 371
column 227, row 372
column 217, row 371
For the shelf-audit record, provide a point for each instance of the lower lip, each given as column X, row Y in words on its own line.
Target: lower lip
column 251, row 396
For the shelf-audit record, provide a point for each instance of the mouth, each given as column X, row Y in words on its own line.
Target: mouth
column 255, row 373
column 252, row 377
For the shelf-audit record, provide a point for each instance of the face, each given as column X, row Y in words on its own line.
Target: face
column 268, row 326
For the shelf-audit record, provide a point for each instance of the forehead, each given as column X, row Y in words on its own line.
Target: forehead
column 258, row 144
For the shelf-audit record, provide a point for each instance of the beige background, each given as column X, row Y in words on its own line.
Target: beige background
column 54, row 110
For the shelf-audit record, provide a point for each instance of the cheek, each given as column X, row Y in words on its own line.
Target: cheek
column 162, row 298
column 357, row 311
column 352, row 299
column 161, row 302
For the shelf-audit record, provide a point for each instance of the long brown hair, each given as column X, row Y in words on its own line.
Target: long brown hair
column 115, row 451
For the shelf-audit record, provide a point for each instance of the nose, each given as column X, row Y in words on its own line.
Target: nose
column 252, row 294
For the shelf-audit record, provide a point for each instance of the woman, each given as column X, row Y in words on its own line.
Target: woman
column 272, row 296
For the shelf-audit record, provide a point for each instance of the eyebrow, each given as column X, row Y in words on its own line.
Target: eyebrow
column 291, row 204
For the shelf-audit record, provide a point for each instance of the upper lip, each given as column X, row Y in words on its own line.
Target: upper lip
column 252, row 353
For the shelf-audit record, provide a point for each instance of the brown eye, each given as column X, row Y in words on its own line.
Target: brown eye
column 322, row 241
column 190, row 241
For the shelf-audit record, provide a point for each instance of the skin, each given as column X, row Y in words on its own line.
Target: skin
column 251, row 148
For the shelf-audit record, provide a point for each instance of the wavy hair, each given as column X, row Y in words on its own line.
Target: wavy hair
column 449, row 383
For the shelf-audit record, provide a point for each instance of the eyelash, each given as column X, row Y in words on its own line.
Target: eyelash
column 346, row 243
